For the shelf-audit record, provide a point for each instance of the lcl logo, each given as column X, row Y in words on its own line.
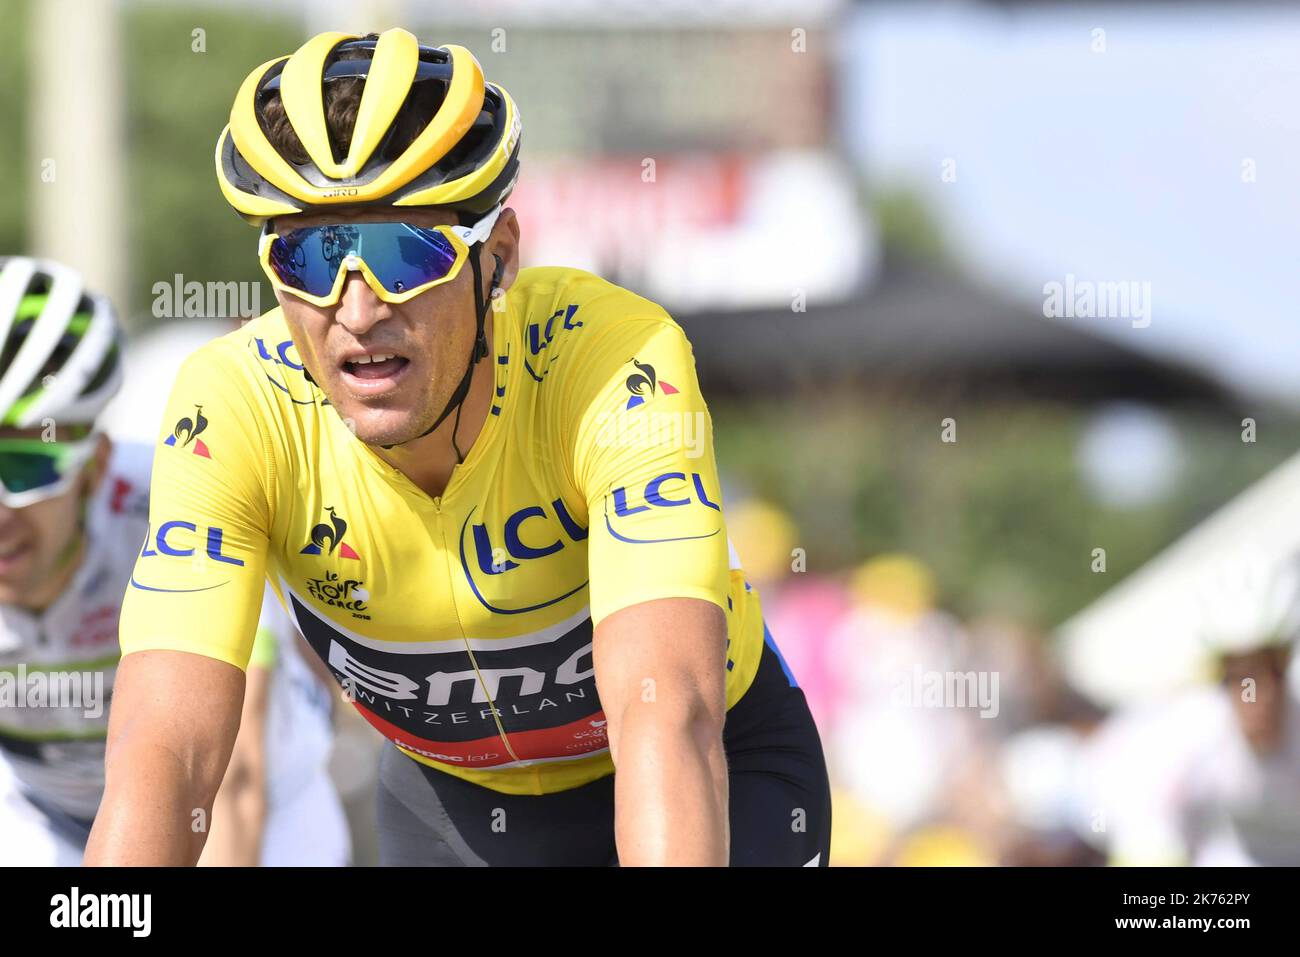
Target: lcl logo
column 655, row 497
column 541, row 528
column 168, row 541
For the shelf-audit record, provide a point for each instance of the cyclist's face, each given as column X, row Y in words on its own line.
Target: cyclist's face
column 428, row 338
column 1256, row 683
column 39, row 541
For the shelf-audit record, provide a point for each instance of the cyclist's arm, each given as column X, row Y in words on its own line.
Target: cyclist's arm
column 659, row 576
column 659, row 672
column 240, row 809
column 171, row 730
column 187, row 626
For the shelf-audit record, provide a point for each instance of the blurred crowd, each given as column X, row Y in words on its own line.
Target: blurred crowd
column 957, row 742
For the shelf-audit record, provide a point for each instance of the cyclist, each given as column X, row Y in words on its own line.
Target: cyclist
column 485, row 495
column 1210, row 778
column 73, row 505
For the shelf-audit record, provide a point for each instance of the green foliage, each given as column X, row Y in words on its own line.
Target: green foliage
column 907, row 226
column 16, row 166
column 178, row 101
column 1003, row 515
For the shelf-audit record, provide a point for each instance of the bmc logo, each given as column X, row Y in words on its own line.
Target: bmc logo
column 168, row 541
column 655, row 496
column 482, row 684
column 541, row 529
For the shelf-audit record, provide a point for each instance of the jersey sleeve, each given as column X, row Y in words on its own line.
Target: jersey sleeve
column 198, row 581
column 641, row 446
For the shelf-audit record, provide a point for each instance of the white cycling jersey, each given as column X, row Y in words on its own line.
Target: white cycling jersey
column 299, row 713
column 56, row 754
column 1179, row 784
column 56, row 679
column 1239, row 807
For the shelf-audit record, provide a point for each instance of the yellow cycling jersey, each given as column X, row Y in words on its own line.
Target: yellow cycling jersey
column 459, row 626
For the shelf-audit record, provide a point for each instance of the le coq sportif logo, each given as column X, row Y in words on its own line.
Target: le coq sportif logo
column 327, row 537
column 644, row 383
column 185, row 433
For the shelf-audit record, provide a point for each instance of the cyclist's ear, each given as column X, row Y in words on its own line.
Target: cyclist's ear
column 503, row 244
column 98, row 464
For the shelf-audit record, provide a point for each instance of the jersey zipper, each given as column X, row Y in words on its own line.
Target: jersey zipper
column 473, row 659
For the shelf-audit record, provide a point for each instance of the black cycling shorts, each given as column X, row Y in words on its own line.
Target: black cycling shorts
column 779, row 800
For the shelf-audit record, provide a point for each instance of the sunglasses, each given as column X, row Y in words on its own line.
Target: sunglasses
column 397, row 260
column 32, row 470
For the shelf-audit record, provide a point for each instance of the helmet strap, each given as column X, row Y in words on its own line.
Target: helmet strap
column 478, row 350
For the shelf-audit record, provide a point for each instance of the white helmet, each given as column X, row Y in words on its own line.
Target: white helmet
column 1249, row 603
column 60, row 345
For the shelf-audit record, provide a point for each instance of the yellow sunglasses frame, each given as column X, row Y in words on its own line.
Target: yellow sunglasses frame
column 460, row 237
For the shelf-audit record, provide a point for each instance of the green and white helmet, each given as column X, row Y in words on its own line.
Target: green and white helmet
column 60, row 346
column 1249, row 603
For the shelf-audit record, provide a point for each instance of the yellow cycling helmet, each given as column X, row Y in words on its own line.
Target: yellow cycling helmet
column 466, row 157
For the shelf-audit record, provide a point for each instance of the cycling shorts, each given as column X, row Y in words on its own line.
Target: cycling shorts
column 779, row 799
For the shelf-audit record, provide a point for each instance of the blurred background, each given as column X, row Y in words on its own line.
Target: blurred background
column 991, row 303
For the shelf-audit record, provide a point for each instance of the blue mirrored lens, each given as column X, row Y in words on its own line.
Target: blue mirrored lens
column 400, row 255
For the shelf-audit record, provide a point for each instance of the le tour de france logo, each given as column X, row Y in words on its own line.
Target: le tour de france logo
column 347, row 593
